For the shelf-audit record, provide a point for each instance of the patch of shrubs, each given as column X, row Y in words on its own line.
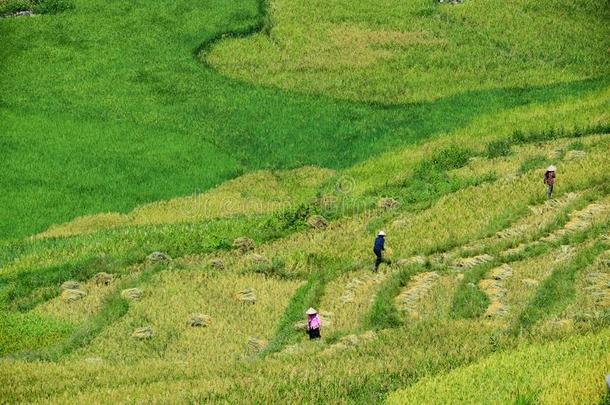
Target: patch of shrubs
column 13, row 6
column 550, row 134
column 35, row 6
column 446, row 159
column 498, row 148
column 53, row 6
column 291, row 219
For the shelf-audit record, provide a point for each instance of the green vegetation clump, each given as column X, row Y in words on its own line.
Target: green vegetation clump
column 384, row 313
column 21, row 332
column 498, row 148
column 36, row 6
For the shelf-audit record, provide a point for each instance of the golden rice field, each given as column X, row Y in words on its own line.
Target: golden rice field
column 526, row 322
column 396, row 52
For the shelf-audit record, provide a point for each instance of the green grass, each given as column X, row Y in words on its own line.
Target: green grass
column 384, row 313
column 308, row 295
column 567, row 371
column 469, row 301
column 24, row 290
column 107, row 124
column 113, row 308
column 557, row 291
column 20, row 332
column 80, row 167
column 430, row 180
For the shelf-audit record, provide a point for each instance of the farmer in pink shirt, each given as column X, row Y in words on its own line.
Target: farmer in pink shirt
column 313, row 324
column 549, row 180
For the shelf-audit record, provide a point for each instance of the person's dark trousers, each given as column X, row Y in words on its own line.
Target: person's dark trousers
column 314, row 333
column 549, row 190
column 378, row 260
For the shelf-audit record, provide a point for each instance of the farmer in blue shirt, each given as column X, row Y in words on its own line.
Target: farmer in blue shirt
column 378, row 249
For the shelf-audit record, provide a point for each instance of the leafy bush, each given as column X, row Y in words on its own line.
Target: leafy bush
column 498, row 148
column 37, row 6
column 447, row 159
column 53, row 6
column 12, row 6
column 290, row 219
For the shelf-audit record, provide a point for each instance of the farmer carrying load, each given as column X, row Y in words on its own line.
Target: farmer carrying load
column 378, row 248
column 313, row 324
column 549, row 180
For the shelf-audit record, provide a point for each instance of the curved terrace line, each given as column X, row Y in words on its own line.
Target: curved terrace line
column 261, row 25
column 264, row 25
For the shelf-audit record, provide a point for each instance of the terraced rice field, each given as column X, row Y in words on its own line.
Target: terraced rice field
column 181, row 181
column 250, row 301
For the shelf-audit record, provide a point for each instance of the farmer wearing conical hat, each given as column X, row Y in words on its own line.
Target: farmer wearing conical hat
column 378, row 249
column 549, row 180
column 313, row 324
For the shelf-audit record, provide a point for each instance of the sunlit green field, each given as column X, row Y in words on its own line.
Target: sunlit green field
column 396, row 52
column 177, row 127
column 110, row 105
